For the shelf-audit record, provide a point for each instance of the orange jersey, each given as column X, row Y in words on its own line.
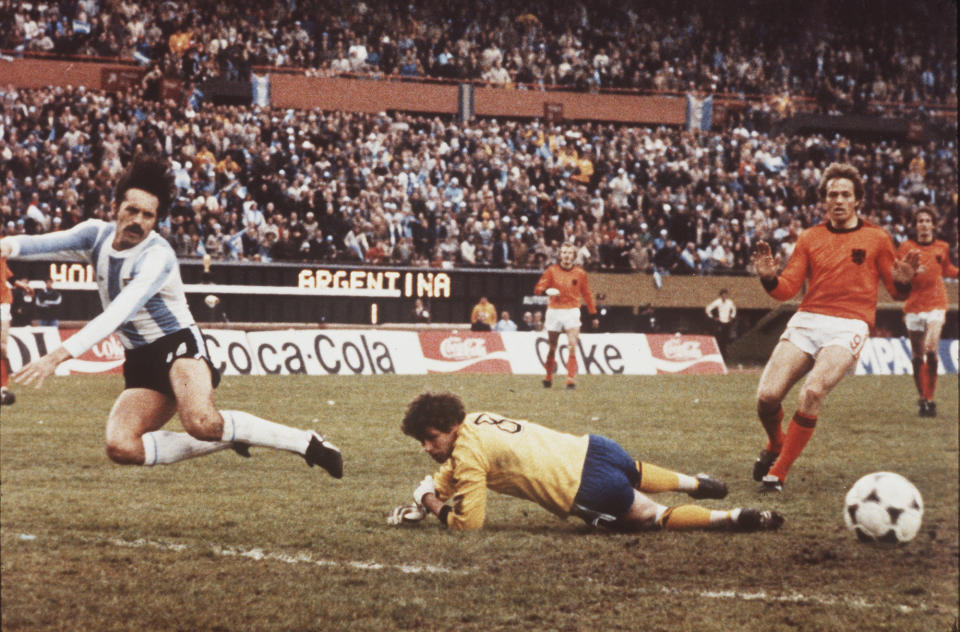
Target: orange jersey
column 572, row 284
column 928, row 291
column 843, row 268
column 6, row 292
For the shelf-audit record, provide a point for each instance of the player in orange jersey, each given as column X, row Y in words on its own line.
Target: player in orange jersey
column 925, row 311
column 6, row 300
column 566, row 284
column 842, row 261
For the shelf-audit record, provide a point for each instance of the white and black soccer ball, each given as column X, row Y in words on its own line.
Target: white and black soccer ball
column 883, row 507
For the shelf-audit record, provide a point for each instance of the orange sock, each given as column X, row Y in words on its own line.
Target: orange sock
column 772, row 426
column 930, row 372
column 4, row 373
column 571, row 367
column 798, row 433
column 551, row 367
column 685, row 517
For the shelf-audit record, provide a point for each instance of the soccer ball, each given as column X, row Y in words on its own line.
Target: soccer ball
column 883, row 507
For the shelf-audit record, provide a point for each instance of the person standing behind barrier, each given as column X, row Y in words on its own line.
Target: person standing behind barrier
column 925, row 311
column 723, row 311
column 48, row 302
column 505, row 323
column 566, row 284
column 483, row 317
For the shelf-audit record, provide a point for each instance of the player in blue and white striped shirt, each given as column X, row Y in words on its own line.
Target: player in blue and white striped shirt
column 166, row 370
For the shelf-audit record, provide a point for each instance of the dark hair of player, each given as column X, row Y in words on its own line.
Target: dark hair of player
column 441, row 411
column 839, row 170
column 150, row 174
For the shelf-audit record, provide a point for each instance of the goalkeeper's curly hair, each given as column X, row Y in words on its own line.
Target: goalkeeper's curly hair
column 432, row 410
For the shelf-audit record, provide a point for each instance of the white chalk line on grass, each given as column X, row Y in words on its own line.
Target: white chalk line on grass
column 820, row 600
column 258, row 554
column 306, row 557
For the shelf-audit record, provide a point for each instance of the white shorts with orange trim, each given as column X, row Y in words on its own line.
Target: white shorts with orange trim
column 919, row 321
column 5, row 312
column 812, row 332
column 561, row 319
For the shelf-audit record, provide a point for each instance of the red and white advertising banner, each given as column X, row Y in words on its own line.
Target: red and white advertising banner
column 376, row 352
column 596, row 354
column 334, row 352
column 685, row 354
column 104, row 357
column 27, row 344
column 464, row 352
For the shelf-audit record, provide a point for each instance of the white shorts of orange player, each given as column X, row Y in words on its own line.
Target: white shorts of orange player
column 5, row 312
column 919, row 321
column 561, row 319
column 812, row 332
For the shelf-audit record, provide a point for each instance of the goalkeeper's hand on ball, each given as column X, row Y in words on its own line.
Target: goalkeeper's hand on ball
column 425, row 487
column 406, row 514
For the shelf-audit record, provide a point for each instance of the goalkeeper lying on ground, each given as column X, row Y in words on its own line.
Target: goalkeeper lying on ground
column 589, row 476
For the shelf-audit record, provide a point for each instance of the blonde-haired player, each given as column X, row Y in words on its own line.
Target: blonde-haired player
column 566, row 284
column 925, row 311
column 841, row 262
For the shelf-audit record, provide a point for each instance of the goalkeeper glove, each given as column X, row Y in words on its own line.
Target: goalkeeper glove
column 406, row 514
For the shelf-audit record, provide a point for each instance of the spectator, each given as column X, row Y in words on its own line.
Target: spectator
column 483, row 317
column 505, row 323
column 23, row 308
column 723, row 312
column 420, row 313
column 526, row 323
column 48, row 302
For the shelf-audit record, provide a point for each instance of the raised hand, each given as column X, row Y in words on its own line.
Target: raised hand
column 905, row 268
column 764, row 262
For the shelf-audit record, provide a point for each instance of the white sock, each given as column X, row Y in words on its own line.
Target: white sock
column 686, row 483
column 724, row 517
column 247, row 428
column 162, row 447
column 661, row 509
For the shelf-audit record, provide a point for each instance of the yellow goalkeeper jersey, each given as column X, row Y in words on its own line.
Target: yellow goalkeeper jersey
column 509, row 456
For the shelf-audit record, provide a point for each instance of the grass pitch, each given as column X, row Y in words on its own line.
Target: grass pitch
column 224, row 543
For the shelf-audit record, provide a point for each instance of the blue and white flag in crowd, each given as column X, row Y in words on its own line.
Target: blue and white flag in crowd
column 81, row 27
column 699, row 112
column 261, row 89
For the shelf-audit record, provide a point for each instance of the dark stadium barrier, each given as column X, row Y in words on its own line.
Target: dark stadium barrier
column 316, row 293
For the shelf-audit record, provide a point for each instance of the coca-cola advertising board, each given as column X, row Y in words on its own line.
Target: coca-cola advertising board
column 685, row 354
column 464, row 352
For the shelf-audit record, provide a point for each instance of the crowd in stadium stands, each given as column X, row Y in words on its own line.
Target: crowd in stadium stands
column 848, row 57
column 273, row 185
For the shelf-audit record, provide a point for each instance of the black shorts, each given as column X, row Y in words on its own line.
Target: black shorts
column 149, row 366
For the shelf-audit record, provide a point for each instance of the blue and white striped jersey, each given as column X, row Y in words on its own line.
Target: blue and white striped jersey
column 140, row 287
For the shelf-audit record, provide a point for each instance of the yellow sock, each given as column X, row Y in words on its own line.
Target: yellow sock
column 654, row 478
column 685, row 517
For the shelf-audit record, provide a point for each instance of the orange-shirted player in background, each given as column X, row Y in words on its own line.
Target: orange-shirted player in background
column 565, row 284
column 6, row 300
column 843, row 261
column 925, row 311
